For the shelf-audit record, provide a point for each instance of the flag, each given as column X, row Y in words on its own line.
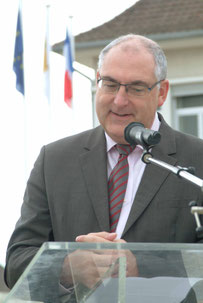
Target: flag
column 18, row 56
column 68, row 91
column 46, row 68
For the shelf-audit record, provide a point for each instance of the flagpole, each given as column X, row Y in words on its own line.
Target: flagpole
column 72, row 37
column 47, row 70
column 72, row 40
column 47, row 49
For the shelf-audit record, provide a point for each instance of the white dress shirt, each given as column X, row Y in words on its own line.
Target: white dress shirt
column 136, row 170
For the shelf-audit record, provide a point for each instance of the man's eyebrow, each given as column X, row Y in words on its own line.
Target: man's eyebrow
column 109, row 78
column 139, row 82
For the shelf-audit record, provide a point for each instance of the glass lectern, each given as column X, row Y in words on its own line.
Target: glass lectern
column 94, row 272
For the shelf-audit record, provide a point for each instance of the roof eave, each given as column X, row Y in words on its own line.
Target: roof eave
column 58, row 47
column 156, row 37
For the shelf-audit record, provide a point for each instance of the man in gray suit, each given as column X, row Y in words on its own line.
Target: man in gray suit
column 66, row 198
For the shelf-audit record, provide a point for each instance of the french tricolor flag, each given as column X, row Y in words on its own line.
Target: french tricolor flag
column 67, row 51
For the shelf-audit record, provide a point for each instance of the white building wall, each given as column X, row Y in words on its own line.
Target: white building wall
column 185, row 66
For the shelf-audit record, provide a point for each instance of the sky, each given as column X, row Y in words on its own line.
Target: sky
column 27, row 123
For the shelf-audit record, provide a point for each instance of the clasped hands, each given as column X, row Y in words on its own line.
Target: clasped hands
column 90, row 266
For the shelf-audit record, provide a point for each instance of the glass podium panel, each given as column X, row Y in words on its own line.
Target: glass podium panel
column 112, row 272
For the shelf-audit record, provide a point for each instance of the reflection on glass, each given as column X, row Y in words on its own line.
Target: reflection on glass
column 169, row 273
column 188, row 125
column 190, row 101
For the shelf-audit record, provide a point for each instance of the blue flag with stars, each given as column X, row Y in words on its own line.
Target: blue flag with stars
column 18, row 57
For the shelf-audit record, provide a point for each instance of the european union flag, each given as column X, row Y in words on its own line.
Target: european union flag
column 18, row 57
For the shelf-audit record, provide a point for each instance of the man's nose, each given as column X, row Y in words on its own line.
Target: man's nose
column 121, row 97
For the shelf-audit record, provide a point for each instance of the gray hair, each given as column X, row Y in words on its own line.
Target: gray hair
column 151, row 46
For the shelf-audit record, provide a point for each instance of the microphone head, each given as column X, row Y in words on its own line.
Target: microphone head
column 127, row 130
column 152, row 138
column 136, row 133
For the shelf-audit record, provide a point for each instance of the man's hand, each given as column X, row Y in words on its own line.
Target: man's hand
column 131, row 264
column 86, row 267
column 90, row 266
column 97, row 237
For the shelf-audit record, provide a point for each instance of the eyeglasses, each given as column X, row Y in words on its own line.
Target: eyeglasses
column 133, row 89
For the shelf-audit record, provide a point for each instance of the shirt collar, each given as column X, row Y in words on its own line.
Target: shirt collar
column 110, row 142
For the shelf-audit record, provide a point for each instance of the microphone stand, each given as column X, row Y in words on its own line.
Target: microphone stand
column 182, row 172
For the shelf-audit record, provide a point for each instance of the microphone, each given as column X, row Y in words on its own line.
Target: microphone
column 136, row 133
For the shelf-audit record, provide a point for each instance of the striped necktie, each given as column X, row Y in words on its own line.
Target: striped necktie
column 117, row 184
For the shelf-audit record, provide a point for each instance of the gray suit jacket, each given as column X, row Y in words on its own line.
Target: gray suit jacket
column 66, row 196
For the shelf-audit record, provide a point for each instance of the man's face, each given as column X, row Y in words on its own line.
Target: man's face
column 115, row 111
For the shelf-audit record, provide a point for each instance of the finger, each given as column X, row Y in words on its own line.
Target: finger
column 104, row 260
column 105, row 251
column 105, row 235
column 94, row 238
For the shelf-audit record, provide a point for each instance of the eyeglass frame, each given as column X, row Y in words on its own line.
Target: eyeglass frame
column 127, row 84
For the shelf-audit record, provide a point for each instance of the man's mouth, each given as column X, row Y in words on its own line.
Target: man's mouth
column 120, row 115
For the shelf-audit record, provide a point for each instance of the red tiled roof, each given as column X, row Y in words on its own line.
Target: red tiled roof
column 147, row 17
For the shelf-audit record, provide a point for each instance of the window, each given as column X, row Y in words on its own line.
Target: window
column 187, row 102
column 189, row 112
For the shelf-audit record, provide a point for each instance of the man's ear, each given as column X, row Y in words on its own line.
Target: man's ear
column 163, row 92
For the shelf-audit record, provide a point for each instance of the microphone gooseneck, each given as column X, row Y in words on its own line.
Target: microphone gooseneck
column 136, row 133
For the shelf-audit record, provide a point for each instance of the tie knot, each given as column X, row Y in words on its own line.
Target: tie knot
column 124, row 149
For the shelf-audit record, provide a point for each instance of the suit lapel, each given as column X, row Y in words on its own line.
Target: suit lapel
column 94, row 166
column 153, row 176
